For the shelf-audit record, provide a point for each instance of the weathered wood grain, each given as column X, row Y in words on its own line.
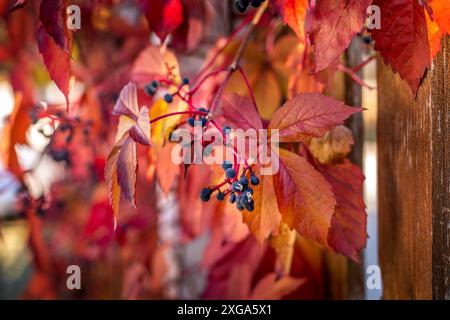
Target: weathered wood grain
column 413, row 183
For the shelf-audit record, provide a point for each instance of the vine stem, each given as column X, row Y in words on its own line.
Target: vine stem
column 235, row 63
column 178, row 113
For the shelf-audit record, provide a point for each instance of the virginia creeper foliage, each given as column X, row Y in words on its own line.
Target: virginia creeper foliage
column 138, row 71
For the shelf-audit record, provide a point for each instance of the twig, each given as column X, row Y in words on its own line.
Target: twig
column 234, row 64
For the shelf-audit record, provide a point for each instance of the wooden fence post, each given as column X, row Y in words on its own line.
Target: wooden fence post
column 413, row 182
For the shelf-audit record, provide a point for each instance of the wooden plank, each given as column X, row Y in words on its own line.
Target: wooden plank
column 413, row 183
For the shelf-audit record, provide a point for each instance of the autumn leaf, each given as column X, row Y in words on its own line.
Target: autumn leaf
column 333, row 146
column 57, row 61
column 441, row 14
column 239, row 112
column 153, row 63
column 121, row 165
column 266, row 215
column 403, row 43
column 272, row 288
column 52, row 14
column 283, row 244
column 333, row 25
column 348, row 233
column 309, row 115
column 14, row 132
column 163, row 16
column 166, row 170
column 293, row 13
column 305, row 198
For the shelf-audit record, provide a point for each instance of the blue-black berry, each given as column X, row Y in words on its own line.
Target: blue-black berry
column 244, row 181
column 204, row 121
column 254, row 180
column 230, row 173
column 205, row 194
column 154, row 84
column 191, row 121
column 240, row 207
column 150, row 90
column 239, row 7
column 185, row 81
column 226, row 165
column 237, row 187
column 220, row 196
column 226, row 130
column 168, row 98
column 256, row 3
column 233, row 197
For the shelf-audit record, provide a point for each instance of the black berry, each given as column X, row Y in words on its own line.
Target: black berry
column 226, row 130
column 254, row 180
column 226, row 165
column 230, row 173
column 150, row 89
column 238, row 7
column 205, row 194
column 185, row 81
column 168, row 98
column 237, row 187
column 191, row 122
column 220, row 196
column 233, row 197
column 244, row 181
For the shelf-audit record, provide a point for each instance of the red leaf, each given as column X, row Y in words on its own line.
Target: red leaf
column 100, row 226
column 304, row 197
column 333, row 25
column 163, row 16
column 403, row 39
column 57, row 61
column 309, row 115
column 239, row 112
column 52, row 14
column 348, row 225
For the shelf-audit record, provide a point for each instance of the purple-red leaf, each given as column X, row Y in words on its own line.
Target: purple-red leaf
column 57, row 61
column 333, row 25
column 52, row 14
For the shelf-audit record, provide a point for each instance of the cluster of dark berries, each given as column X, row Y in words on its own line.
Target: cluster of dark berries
column 151, row 88
column 204, row 121
column 242, row 5
column 240, row 193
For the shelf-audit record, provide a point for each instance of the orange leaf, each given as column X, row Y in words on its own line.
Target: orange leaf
column 441, row 14
column 304, row 197
column 283, row 244
column 293, row 13
column 166, row 170
column 266, row 215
